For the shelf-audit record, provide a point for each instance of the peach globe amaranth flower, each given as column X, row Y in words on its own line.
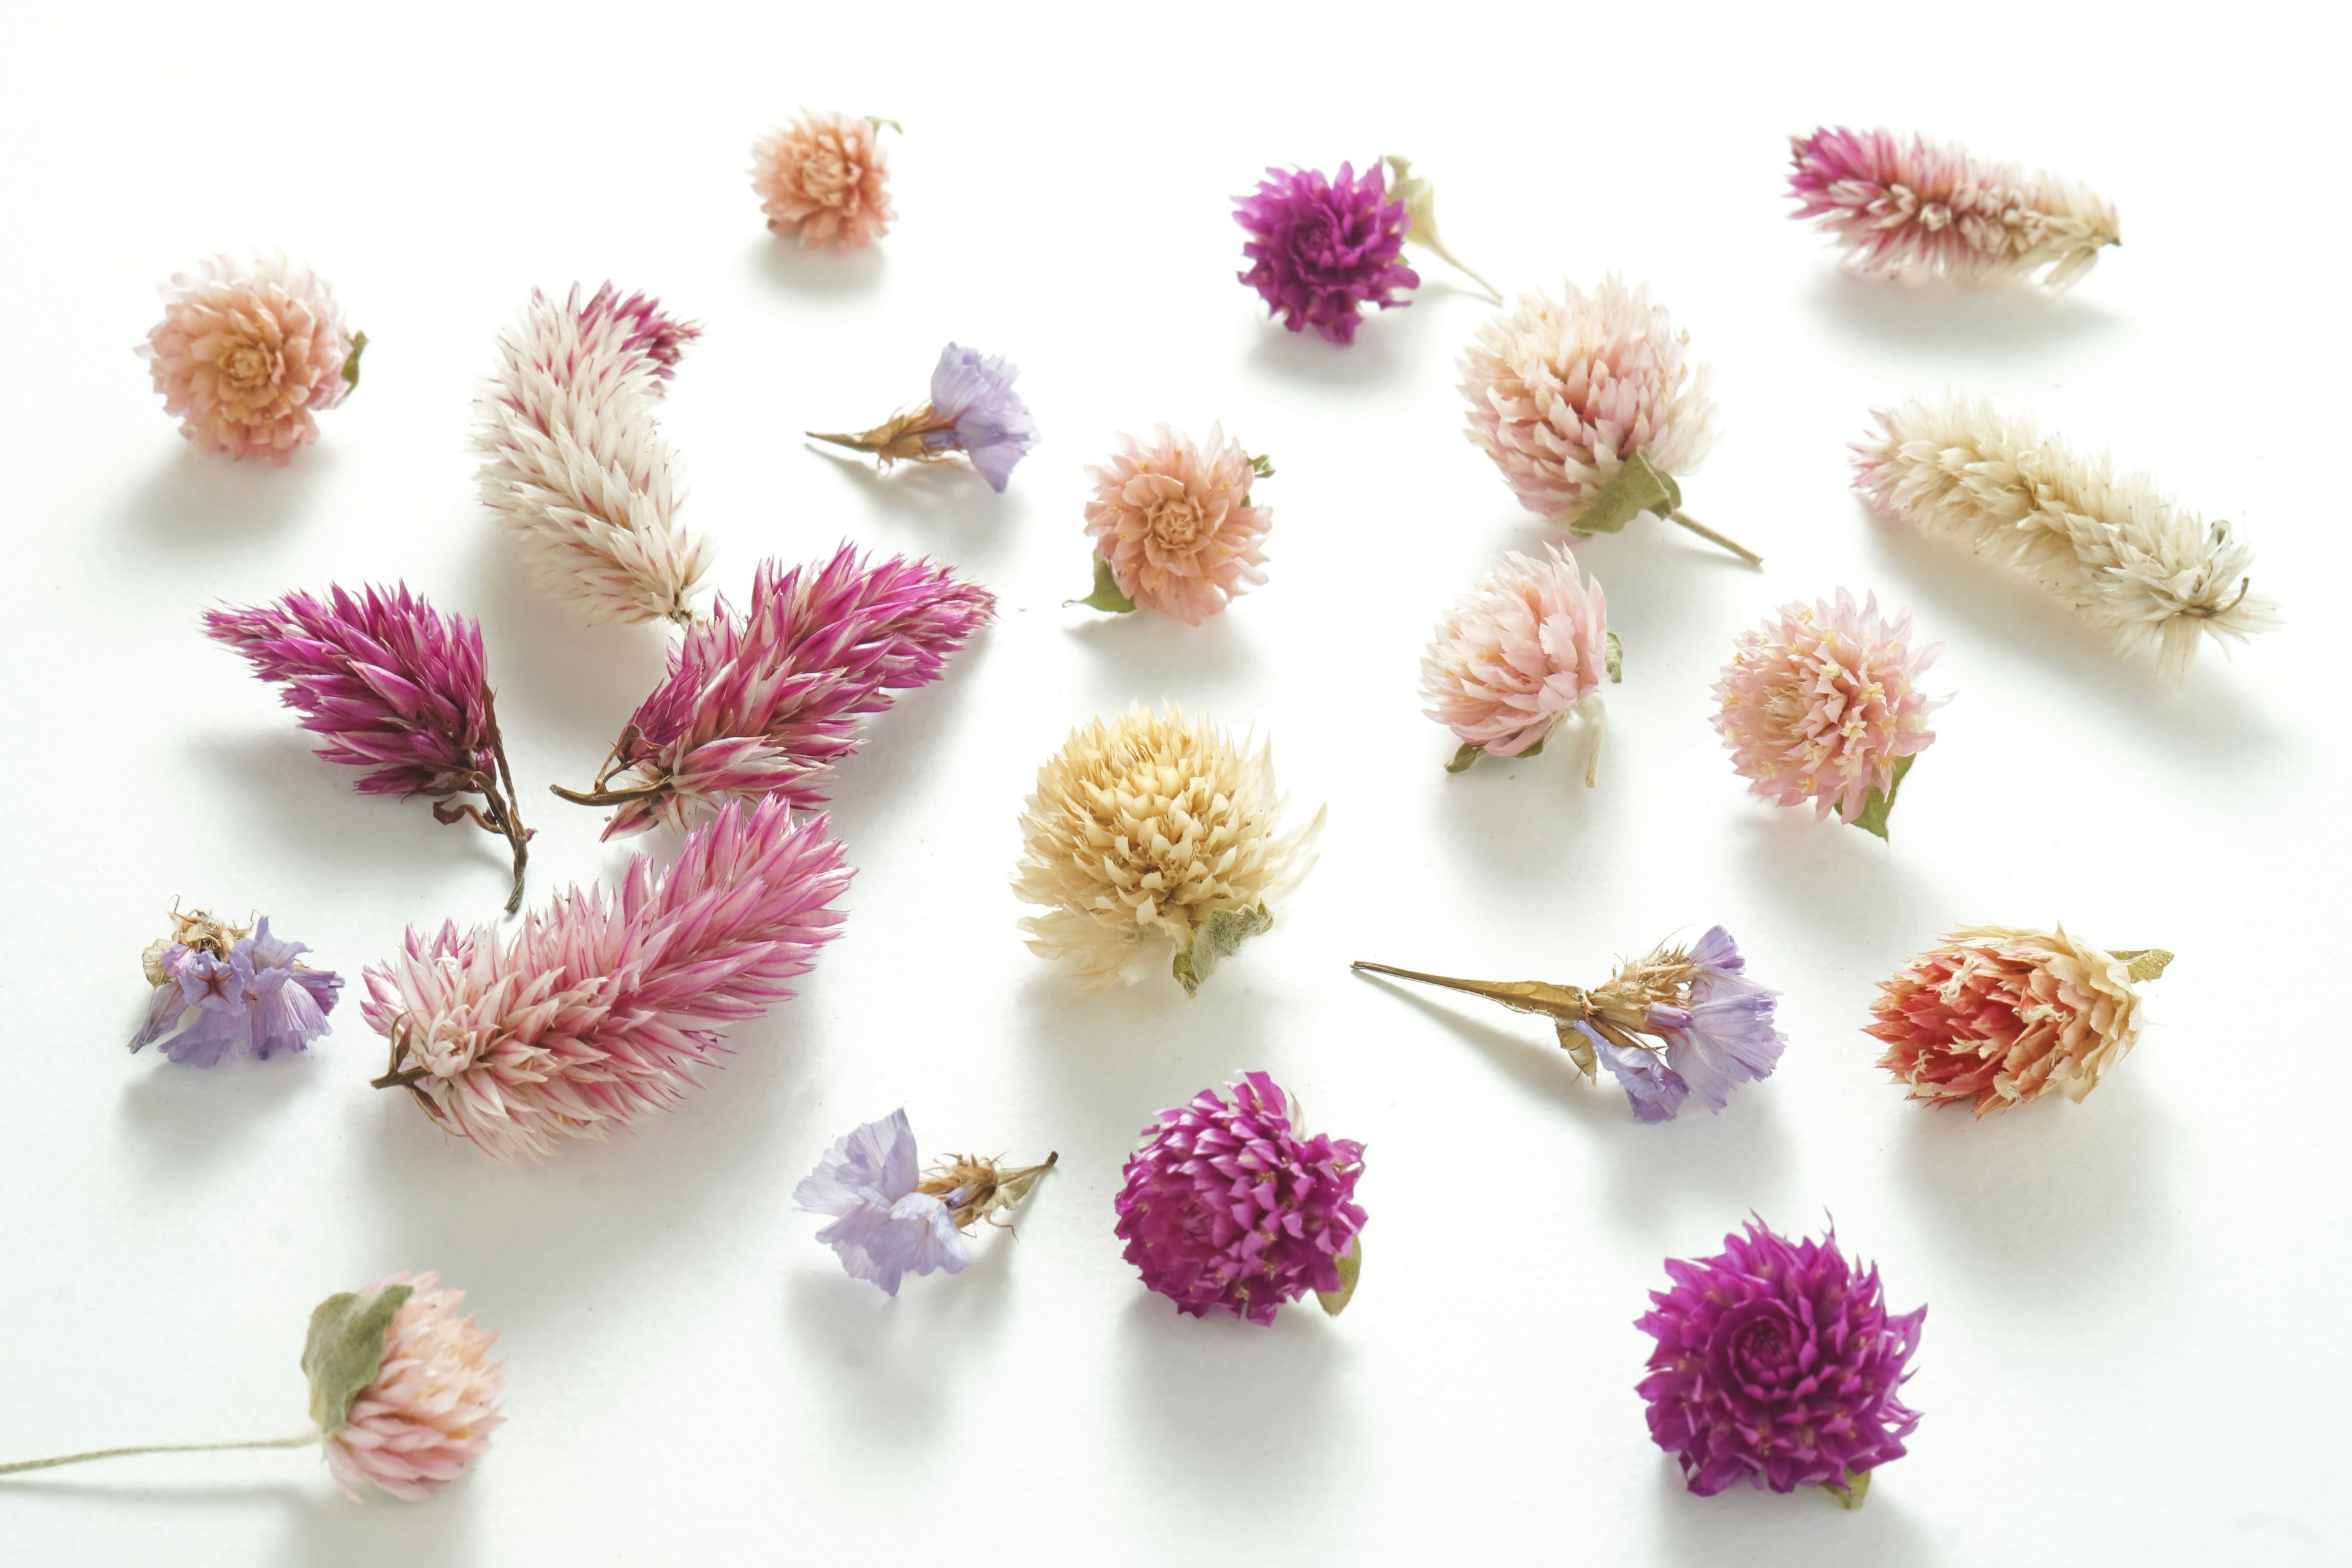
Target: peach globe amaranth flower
column 402, row 1388
column 1822, row 703
column 1526, row 647
column 823, row 178
column 1173, row 527
column 245, row 356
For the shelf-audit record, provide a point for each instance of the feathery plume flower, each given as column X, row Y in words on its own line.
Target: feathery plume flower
column 402, row 1393
column 1322, row 249
column 395, row 688
column 246, row 353
column 1586, row 404
column 1518, row 653
column 2001, row 1017
column 1925, row 210
column 602, row 1007
column 1822, row 703
column 1228, row 1205
column 1150, row 833
column 891, row 1218
column 221, row 988
column 2152, row 578
column 823, row 178
column 973, row 410
column 1679, row 1020
column 1778, row 1363
column 574, row 463
column 1173, row 527
column 765, row 702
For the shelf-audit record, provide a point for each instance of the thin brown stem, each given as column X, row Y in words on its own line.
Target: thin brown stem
column 1520, row 996
column 502, row 806
column 1695, row 526
column 609, row 796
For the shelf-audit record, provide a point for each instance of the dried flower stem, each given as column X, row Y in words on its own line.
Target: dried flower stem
column 1565, row 1003
column 989, row 1189
column 497, row 814
column 1695, row 526
column 297, row 1441
column 901, row 436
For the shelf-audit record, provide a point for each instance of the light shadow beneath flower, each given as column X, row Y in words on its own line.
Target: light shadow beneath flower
column 1526, row 1051
column 184, row 1119
column 1386, row 353
column 1522, row 817
column 1785, row 1529
column 817, row 270
column 1145, row 655
column 193, row 502
column 324, row 1526
column 910, row 740
column 1252, row 1417
column 944, row 496
column 551, row 667
column 1990, row 322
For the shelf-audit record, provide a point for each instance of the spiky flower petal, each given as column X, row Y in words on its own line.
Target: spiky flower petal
column 428, row 1414
column 246, row 352
column 1518, row 653
column 822, row 178
column 1321, row 249
column 1173, row 520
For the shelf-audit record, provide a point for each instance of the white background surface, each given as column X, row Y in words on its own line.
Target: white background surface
column 2133, row 1350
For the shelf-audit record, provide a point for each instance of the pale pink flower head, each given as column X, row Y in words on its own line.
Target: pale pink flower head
column 245, row 356
column 428, row 1411
column 1516, row 653
column 823, row 178
column 1822, row 701
column 1173, row 519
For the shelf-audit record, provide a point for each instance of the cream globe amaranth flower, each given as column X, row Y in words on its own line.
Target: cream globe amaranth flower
column 1153, row 838
column 246, row 355
column 1520, row 652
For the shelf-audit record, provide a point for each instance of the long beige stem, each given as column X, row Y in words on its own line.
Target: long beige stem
column 1695, row 526
column 20, row 1465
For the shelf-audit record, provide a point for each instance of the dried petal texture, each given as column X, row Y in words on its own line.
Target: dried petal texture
column 1321, row 249
column 1920, row 209
column 1140, row 830
column 765, row 702
column 246, row 353
column 602, row 1006
column 1516, row 653
column 1172, row 517
column 821, row 177
column 1713, row 1025
column 884, row 1225
column 430, row 1411
column 252, row 996
column 1227, row 1207
column 574, row 463
column 1776, row 1364
column 1822, row 701
column 1561, row 392
column 2000, row 1016
column 975, row 411
column 2154, row 578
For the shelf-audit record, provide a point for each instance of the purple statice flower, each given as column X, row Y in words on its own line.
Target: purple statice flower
column 1778, row 1363
column 764, row 702
column 884, row 1227
column 973, row 410
column 1226, row 1206
column 221, row 989
column 1321, row 249
column 395, row 688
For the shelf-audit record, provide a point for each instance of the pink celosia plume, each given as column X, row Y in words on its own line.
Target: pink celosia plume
column 429, row 1411
column 1172, row 518
column 1513, row 655
column 602, row 1006
column 823, row 178
column 246, row 355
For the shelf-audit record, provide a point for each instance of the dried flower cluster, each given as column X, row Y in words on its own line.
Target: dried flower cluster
column 891, row 1218
column 1173, row 526
column 428, row 1403
column 2000, row 1016
column 1918, row 209
column 973, row 410
column 1322, row 249
column 574, row 462
column 2153, row 578
column 1228, row 1207
column 246, row 355
column 221, row 989
column 822, row 178
column 1154, row 832
column 765, row 702
column 602, row 1006
column 395, row 688
column 1518, row 654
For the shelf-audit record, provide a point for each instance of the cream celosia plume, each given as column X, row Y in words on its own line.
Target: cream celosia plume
column 2153, row 577
column 1150, row 834
column 574, row 462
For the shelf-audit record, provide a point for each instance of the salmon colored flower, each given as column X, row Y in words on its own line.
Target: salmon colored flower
column 1172, row 521
column 822, row 178
column 246, row 355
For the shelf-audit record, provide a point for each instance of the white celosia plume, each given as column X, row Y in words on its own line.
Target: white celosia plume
column 2154, row 578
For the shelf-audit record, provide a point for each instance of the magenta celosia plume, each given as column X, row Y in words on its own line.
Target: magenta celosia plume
column 763, row 702
column 603, row 1006
column 1321, row 249
column 428, row 1412
column 246, row 355
column 395, row 688
column 1172, row 518
column 1778, row 1363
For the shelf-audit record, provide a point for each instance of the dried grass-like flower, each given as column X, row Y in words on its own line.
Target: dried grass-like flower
column 1920, row 209
column 1173, row 527
column 973, row 410
column 892, row 1218
column 2000, row 1016
column 823, row 178
column 429, row 1401
column 246, row 354
column 602, row 1006
column 1526, row 647
column 1155, row 832
column 574, row 462
column 2153, row 578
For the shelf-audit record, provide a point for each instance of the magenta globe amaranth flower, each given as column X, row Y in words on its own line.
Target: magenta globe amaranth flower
column 1778, row 1363
column 1226, row 1206
column 1321, row 249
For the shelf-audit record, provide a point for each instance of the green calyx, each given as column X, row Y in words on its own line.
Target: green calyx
column 351, row 363
column 1635, row 488
column 346, row 1348
column 1105, row 597
column 1223, row 931
column 1851, row 1492
column 1873, row 816
column 1351, row 1265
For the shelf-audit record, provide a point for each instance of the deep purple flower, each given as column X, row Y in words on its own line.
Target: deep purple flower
column 1226, row 1206
column 1776, row 1363
column 219, row 989
column 973, row 410
column 395, row 688
column 1322, row 249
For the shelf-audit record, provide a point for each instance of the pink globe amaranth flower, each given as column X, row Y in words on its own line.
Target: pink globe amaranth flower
column 1776, row 1363
column 429, row 1411
column 245, row 356
column 822, row 178
column 1822, row 702
column 1227, row 1207
column 1173, row 520
column 1516, row 653
column 1321, row 249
